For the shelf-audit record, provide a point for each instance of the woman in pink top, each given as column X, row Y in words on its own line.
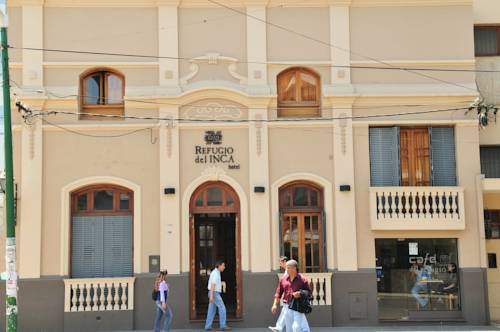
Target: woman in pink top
column 162, row 307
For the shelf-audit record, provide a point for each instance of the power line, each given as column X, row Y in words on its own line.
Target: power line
column 196, row 120
column 335, row 46
column 231, row 107
column 388, row 66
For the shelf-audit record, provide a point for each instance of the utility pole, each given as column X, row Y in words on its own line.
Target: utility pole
column 10, row 247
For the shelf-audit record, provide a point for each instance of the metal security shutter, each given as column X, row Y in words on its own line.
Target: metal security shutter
column 384, row 157
column 443, row 163
column 117, row 246
column 490, row 161
column 87, row 247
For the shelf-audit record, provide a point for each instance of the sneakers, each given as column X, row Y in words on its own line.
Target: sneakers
column 225, row 328
column 274, row 329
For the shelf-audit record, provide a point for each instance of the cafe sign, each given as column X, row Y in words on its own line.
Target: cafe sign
column 214, row 152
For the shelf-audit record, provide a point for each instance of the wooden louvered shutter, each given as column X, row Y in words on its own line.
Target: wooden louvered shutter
column 384, row 156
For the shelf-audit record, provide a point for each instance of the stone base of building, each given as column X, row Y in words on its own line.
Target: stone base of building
column 354, row 299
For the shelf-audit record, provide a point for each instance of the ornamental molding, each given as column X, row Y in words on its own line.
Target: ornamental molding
column 237, row 3
column 213, row 59
column 213, row 110
column 214, row 173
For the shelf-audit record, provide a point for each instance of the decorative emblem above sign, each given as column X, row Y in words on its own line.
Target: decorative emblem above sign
column 213, row 137
column 214, row 153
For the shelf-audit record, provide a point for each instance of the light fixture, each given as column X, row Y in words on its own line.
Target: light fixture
column 169, row 191
column 345, row 187
column 259, row 189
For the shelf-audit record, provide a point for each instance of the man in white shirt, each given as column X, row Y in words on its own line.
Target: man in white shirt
column 215, row 300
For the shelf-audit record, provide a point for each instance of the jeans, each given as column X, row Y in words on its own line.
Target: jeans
column 212, row 307
column 417, row 289
column 159, row 315
column 295, row 321
column 281, row 322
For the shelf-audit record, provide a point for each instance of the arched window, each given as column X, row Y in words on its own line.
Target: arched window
column 101, row 232
column 102, row 92
column 299, row 92
column 302, row 225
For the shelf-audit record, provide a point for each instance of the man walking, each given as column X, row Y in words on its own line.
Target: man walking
column 292, row 286
column 280, row 323
column 215, row 299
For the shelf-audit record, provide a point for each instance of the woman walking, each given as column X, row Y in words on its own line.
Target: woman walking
column 162, row 308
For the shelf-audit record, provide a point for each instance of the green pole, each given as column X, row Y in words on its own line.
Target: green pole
column 10, row 247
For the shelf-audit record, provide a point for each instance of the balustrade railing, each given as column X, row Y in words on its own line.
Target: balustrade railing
column 417, row 207
column 321, row 285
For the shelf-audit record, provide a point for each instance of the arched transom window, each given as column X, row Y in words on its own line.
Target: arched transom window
column 102, row 92
column 299, row 92
column 101, row 232
column 302, row 225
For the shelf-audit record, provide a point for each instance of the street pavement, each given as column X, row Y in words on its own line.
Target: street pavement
column 407, row 328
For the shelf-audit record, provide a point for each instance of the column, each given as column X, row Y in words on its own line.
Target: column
column 170, row 218
column 344, row 201
column 168, row 44
column 29, row 210
column 33, row 37
column 260, row 222
column 257, row 50
column 340, row 36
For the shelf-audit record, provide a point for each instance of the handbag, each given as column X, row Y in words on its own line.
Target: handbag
column 154, row 294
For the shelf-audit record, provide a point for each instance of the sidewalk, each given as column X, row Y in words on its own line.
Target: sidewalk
column 434, row 328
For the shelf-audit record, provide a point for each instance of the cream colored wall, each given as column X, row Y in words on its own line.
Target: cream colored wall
column 375, row 76
column 69, row 157
column 490, row 135
column 15, row 33
column 486, row 11
column 191, row 137
column 412, row 33
column 286, row 46
column 300, row 150
column 489, row 83
column 113, row 30
column 211, row 30
column 467, row 156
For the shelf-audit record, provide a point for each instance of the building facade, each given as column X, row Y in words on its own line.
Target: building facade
column 169, row 134
column 487, row 23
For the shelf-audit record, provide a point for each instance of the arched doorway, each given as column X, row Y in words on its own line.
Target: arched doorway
column 214, row 233
column 302, row 226
column 101, row 232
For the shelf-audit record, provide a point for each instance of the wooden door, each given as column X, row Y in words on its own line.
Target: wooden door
column 302, row 237
column 415, row 157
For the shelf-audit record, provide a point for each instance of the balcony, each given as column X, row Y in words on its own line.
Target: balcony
column 98, row 294
column 417, row 208
column 321, row 285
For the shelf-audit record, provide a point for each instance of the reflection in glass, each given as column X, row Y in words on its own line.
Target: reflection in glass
column 82, row 202
column 103, row 200
column 214, row 197
column 114, row 90
column 300, row 196
column 415, row 276
column 124, row 201
column 92, row 89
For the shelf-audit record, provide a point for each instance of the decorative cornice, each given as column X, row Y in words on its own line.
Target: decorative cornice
column 237, row 3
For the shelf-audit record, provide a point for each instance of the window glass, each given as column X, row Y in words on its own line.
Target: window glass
column 103, row 200
column 300, row 196
column 486, row 41
column 287, row 87
column 492, row 261
column 92, row 89
column 199, row 200
column 214, row 197
column 492, row 224
column 114, row 90
column 229, row 200
column 124, row 201
column 82, row 202
column 415, row 276
column 308, row 87
column 314, row 198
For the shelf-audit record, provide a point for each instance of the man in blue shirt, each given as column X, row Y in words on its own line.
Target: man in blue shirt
column 214, row 289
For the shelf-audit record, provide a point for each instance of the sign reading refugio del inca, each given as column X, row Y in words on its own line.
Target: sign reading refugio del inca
column 214, row 152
